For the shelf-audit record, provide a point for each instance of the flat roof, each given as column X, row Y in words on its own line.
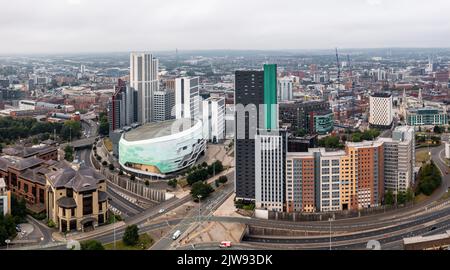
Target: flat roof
column 156, row 130
column 381, row 94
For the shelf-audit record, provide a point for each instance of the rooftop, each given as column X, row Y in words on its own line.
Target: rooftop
column 381, row 94
column 83, row 179
column 156, row 130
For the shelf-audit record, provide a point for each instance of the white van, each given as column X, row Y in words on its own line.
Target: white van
column 176, row 234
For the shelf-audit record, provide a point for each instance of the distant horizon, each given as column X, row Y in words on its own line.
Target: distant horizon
column 181, row 51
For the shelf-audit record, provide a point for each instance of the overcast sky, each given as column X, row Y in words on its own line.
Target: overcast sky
column 45, row 26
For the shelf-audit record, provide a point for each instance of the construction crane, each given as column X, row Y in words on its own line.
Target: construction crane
column 351, row 73
column 338, row 67
column 339, row 83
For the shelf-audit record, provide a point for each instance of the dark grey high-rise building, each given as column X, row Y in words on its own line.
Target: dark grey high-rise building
column 249, row 89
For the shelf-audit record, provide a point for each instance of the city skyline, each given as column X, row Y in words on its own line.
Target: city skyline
column 80, row 26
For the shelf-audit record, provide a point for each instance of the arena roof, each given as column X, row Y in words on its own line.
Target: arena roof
column 158, row 129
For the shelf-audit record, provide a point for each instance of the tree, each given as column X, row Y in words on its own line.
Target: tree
column 104, row 124
column 104, row 128
column 91, row 245
column 202, row 189
column 111, row 167
column 68, row 153
column 409, row 195
column 430, row 179
column 18, row 209
column 147, row 183
column 437, row 129
column 71, row 130
column 132, row 177
column 131, row 235
column 300, row 132
column 389, row 198
column 223, row 179
column 215, row 167
column 120, row 172
column 330, row 142
column 172, row 183
column 7, row 228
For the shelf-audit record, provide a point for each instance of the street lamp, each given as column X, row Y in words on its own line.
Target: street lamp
column 7, row 241
column 330, row 219
column 114, row 226
column 199, row 207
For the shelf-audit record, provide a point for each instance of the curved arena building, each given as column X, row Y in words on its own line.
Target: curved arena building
column 159, row 149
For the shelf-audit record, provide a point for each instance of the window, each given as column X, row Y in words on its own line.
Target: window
column 87, row 204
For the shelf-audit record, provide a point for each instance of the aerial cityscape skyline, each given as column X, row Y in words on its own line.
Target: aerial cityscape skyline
column 110, row 26
column 224, row 125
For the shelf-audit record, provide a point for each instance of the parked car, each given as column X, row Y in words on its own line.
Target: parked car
column 225, row 244
column 18, row 229
column 176, row 235
column 161, row 211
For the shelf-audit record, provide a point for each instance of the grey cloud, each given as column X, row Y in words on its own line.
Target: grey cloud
column 28, row 26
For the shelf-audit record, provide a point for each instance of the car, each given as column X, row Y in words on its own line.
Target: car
column 225, row 244
column 18, row 229
column 161, row 211
column 176, row 235
column 433, row 228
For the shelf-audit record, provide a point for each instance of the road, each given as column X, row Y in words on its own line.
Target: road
column 204, row 212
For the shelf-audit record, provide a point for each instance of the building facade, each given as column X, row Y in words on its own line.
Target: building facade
column 381, row 113
column 399, row 159
column 213, row 110
column 255, row 92
column 121, row 107
column 270, row 157
column 144, row 79
column 427, row 116
column 285, row 85
column 161, row 148
column 5, row 198
column 77, row 198
column 300, row 115
column 187, row 98
column 164, row 104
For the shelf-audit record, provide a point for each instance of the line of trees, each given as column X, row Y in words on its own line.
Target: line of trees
column 8, row 222
column 12, row 129
column 430, row 179
column 368, row 135
column 104, row 125
column 203, row 171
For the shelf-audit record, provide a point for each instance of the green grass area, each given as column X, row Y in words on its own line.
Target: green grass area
column 420, row 198
column 145, row 242
column 422, row 156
